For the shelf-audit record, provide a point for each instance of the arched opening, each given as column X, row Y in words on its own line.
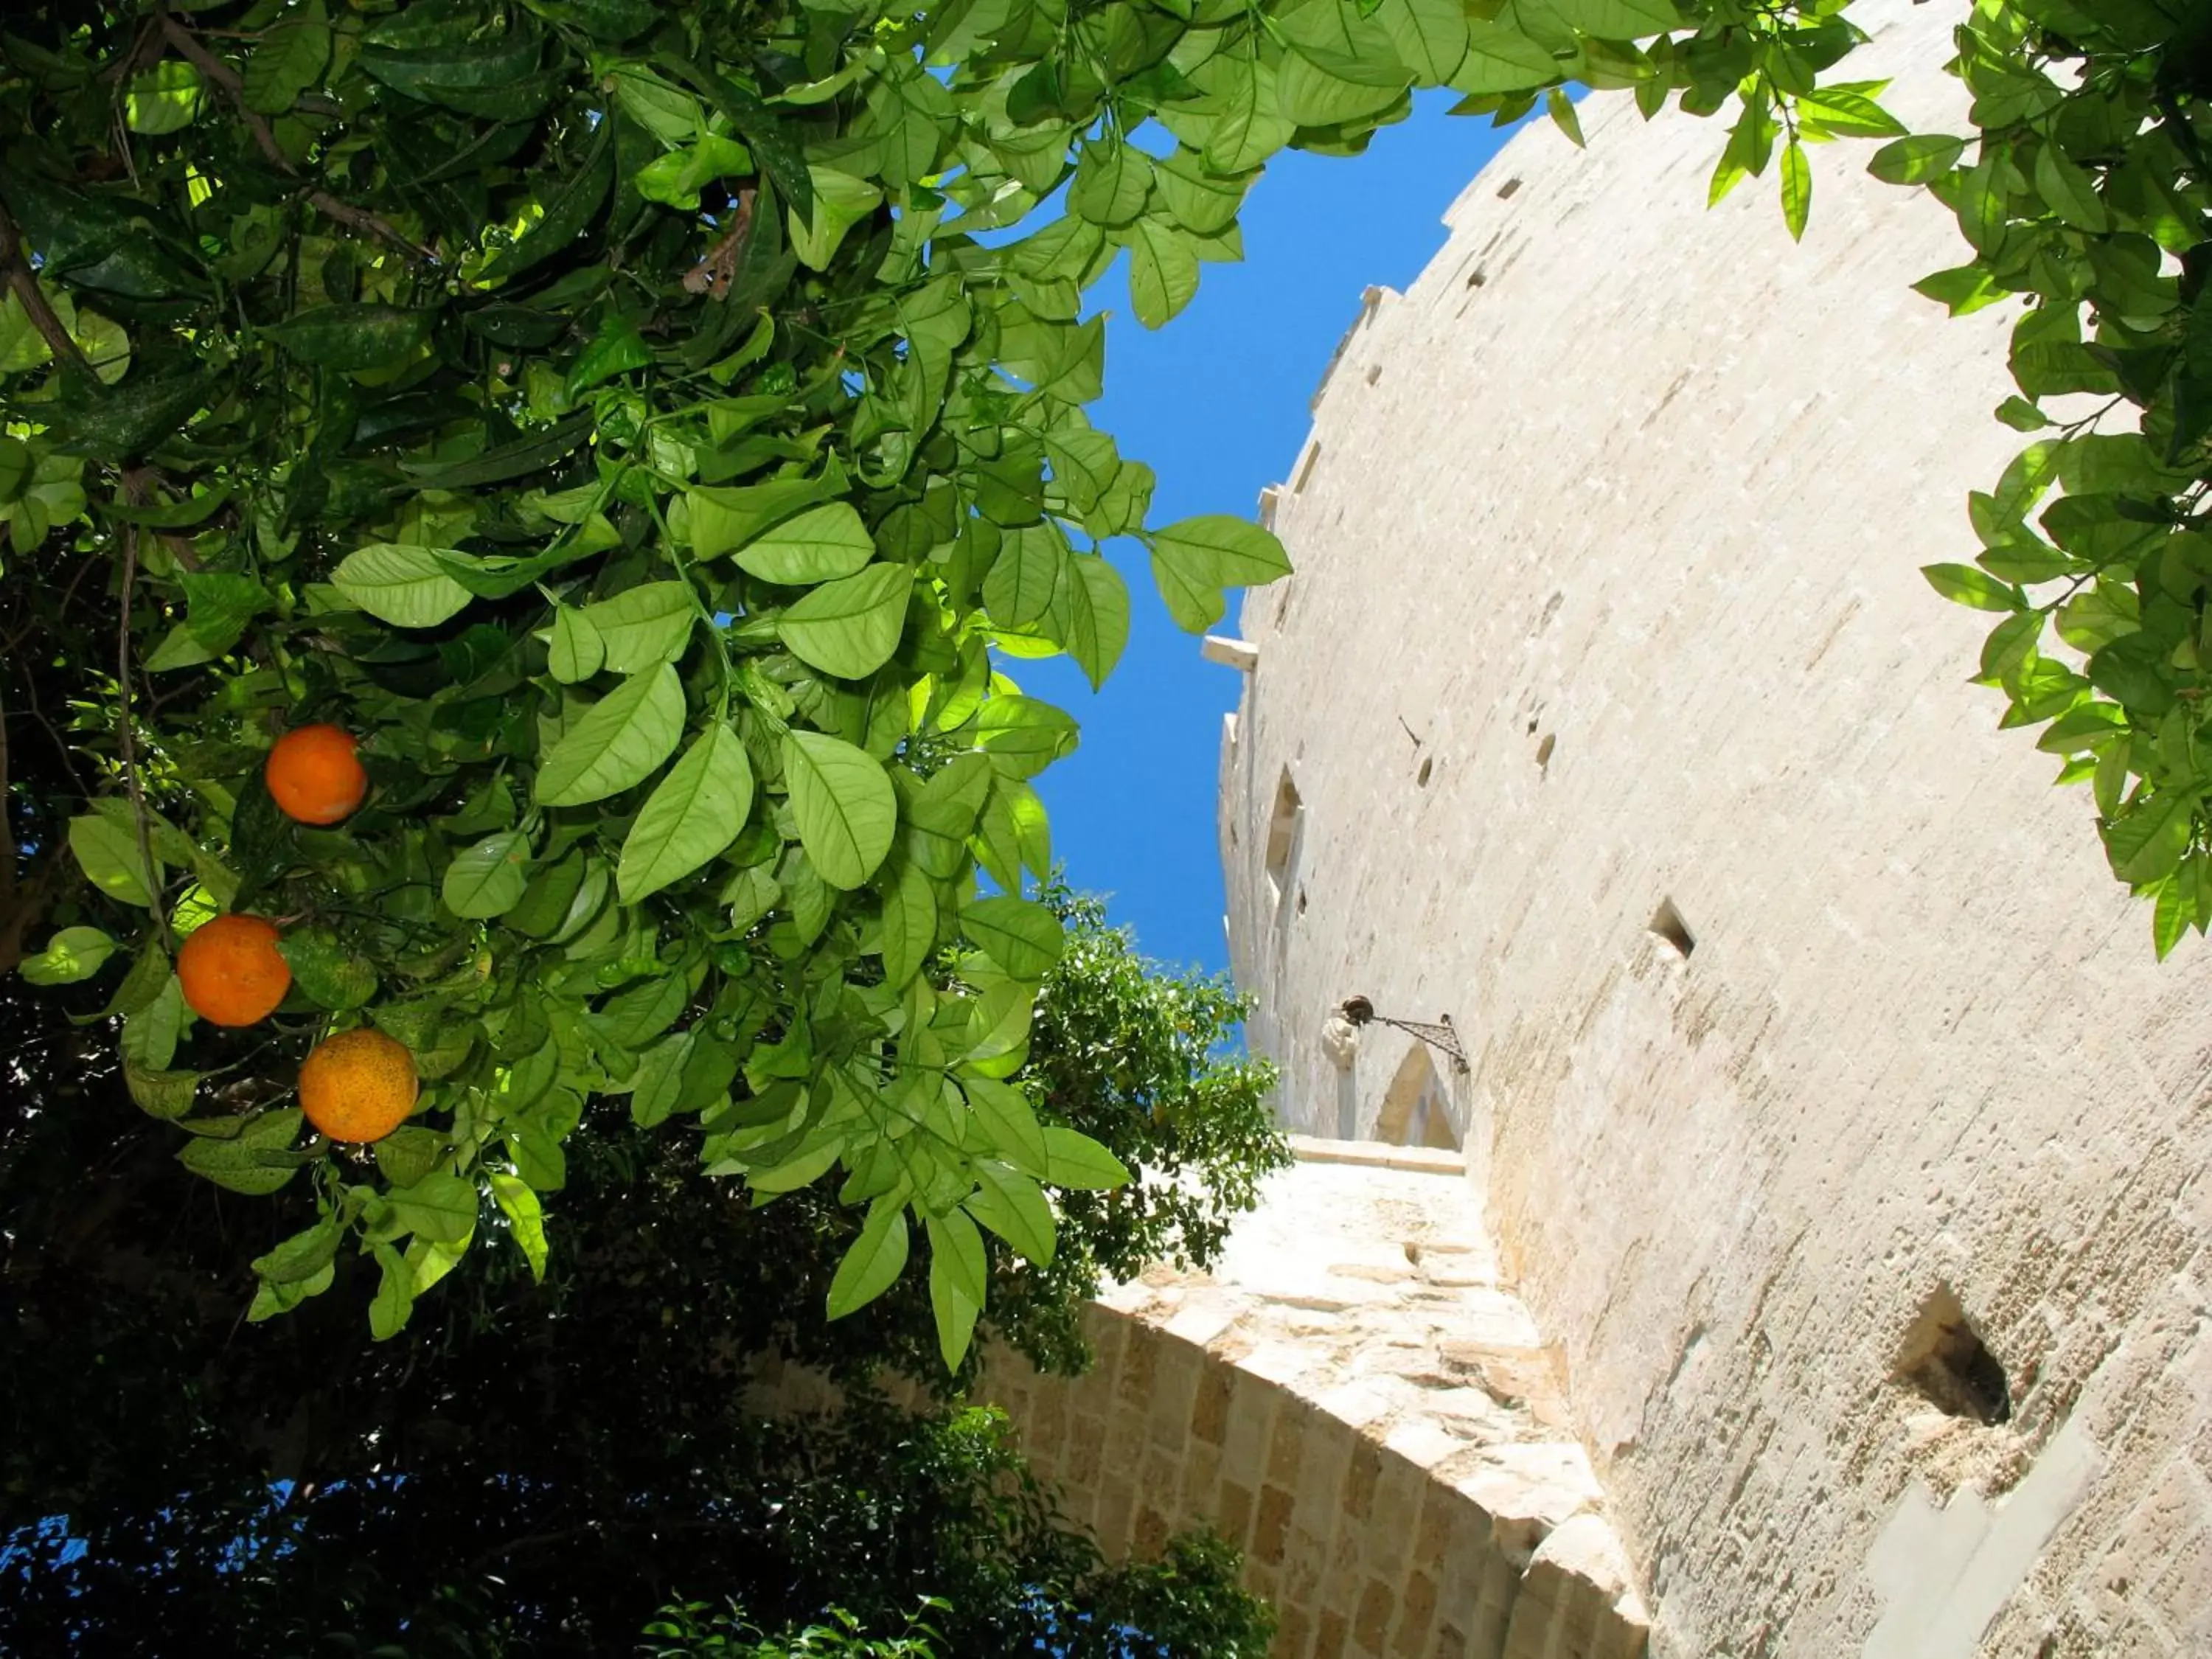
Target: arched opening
column 1416, row 1108
column 1283, row 834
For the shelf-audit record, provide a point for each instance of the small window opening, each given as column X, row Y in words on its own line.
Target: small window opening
column 1505, row 190
column 1374, row 373
column 1667, row 922
column 1302, row 901
column 1416, row 1110
column 1283, row 833
column 1421, row 777
column 1944, row 1358
column 1544, row 759
column 1479, row 278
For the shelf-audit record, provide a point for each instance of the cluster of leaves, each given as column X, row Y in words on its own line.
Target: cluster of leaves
column 2089, row 191
column 648, row 432
column 696, row 1631
column 1185, row 1604
column 532, row 1466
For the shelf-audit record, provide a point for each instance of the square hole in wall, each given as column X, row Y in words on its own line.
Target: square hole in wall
column 1944, row 1360
column 1667, row 922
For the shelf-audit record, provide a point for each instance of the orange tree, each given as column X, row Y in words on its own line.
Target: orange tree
column 653, row 433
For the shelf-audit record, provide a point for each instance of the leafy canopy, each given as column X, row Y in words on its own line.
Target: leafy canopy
column 654, row 431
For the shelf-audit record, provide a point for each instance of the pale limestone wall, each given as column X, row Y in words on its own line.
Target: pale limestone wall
column 1626, row 532
column 1356, row 1398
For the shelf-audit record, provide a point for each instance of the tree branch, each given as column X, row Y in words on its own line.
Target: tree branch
column 127, row 735
column 23, row 283
column 234, row 88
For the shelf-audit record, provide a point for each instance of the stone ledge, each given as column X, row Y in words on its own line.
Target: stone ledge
column 1378, row 1155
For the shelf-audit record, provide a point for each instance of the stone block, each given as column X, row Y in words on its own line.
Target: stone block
column 1370, row 1623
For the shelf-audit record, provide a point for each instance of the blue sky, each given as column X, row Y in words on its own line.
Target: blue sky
column 1216, row 403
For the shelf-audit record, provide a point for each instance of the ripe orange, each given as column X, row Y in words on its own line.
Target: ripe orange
column 358, row 1086
column 314, row 776
column 231, row 971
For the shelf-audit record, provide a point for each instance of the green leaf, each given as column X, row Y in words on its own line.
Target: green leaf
column 1501, row 59
column 1917, row 160
column 409, row 1153
column 620, row 741
column 2172, row 914
column 2148, row 841
column 1430, row 37
column 72, row 954
column 909, row 924
column 108, row 853
column 442, row 1206
column 1012, row 1206
column 237, row 1163
column 1023, row 937
column 1112, row 179
column 525, row 1219
column 1162, row 271
column 1192, row 560
column 1963, row 289
column 1619, row 19
column 1251, row 125
column 999, row 1022
column 388, row 1310
column 2071, row 192
column 875, row 1260
column 957, row 1276
column 405, row 586
column 1077, row 1162
column 1964, row 584
column 1797, row 190
column 167, row 1095
column 1017, row 591
column 1561, row 109
column 287, row 59
column 328, row 972
column 577, row 650
column 849, row 628
column 303, row 1256
column 1232, row 552
column 352, row 337
column 691, row 815
column 165, row 99
column 487, row 879
column 1099, row 616
column 819, row 544
column 1850, row 113
column 1200, row 200
column 842, row 801
column 1003, row 1113
column 643, row 625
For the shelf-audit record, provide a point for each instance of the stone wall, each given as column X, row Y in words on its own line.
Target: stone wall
column 1358, row 1400
column 1355, row 1398
column 1833, row 1115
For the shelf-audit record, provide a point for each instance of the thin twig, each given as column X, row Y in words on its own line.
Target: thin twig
column 188, row 45
column 362, row 219
column 127, row 737
column 23, row 283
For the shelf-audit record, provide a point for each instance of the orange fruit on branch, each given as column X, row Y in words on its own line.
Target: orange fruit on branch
column 231, row 971
column 359, row 1085
column 314, row 776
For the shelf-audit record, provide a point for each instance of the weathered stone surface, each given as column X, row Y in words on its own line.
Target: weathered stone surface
column 1793, row 992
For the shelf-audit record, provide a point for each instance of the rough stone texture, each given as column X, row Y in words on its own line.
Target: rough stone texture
column 1620, row 511
column 1356, row 1398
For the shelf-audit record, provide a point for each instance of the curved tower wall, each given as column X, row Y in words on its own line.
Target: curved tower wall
column 1608, row 637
